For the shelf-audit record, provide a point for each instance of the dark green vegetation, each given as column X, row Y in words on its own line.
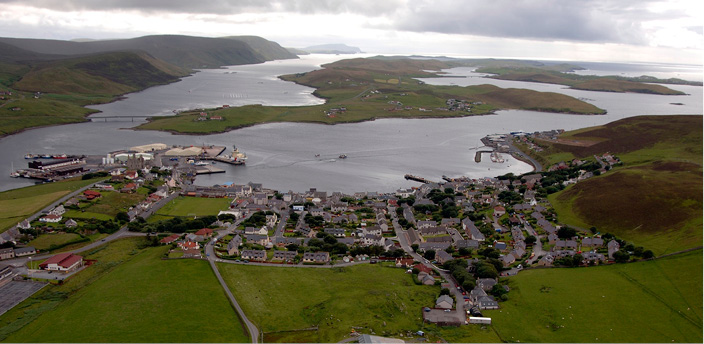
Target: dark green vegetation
column 654, row 301
column 129, row 295
column 655, row 199
column 70, row 75
column 365, row 89
column 555, row 74
column 366, row 297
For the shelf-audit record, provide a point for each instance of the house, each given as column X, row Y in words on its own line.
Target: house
column 508, row 260
column 204, row 233
column 413, row 238
column 499, row 245
column 169, row 239
column 92, row 194
column 316, row 257
column 499, row 211
column 260, row 231
column 613, row 246
column 436, row 246
column 547, row 260
column 24, row 225
column 471, row 230
column 472, row 244
column 371, row 240
column 189, row 245
column 286, row 256
column 336, row 232
column 255, row 255
column 486, row 283
column 233, row 247
column 481, row 300
column 70, row 223
column 444, row 301
column 7, row 253
column 131, row 175
column 404, row 262
column 257, row 239
column 59, row 210
column 425, row 278
column 427, row 231
column 592, row 242
column 64, row 262
column 442, row 257
column 192, row 253
column 129, row 188
column 426, row 224
column 51, row 218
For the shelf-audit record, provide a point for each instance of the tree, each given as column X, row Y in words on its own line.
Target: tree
column 621, row 256
column 429, row 254
column 468, row 284
column 648, row 254
column 414, row 247
column 566, row 232
column 122, row 217
column 530, row 240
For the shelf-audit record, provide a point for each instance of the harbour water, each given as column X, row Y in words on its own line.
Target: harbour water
column 283, row 155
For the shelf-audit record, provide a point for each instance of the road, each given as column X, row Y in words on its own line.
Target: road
column 402, row 236
column 212, row 258
column 517, row 152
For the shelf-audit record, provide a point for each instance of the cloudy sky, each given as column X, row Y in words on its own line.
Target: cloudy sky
column 668, row 31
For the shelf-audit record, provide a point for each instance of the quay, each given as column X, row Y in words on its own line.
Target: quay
column 208, row 170
column 417, row 179
column 478, row 155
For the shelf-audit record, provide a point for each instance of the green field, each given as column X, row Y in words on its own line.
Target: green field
column 194, row 206
column 655, row 301
column 43, row 242
column 18, row 204
column 146, row 299
column 371, row 298
column 109, row 204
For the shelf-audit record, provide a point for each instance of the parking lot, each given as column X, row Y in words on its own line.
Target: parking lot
column 15, row 292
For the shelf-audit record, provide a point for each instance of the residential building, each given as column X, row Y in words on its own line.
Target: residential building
column 255, row 255
column 444, row 301
column 64, row 262
column 316, row 257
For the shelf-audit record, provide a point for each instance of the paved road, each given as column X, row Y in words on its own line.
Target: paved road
column 403, row 240
column 517, row 152
column 279, row 233
column 212, row 258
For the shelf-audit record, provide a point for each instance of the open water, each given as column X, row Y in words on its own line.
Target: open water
column 282, row 155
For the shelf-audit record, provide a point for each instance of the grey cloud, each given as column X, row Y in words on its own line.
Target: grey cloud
column 370, row 8
column 581, row 21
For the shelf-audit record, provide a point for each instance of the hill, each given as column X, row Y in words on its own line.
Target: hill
column 655, row 199
column 332, row 49
column 102, row 74
column 183, row 51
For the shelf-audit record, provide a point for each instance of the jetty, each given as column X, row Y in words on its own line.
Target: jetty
column 208, row 170
column 416, row 178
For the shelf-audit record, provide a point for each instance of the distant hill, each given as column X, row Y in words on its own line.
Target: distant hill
column 297, row 51
column 110, row 73
column 332, row 49
column 267, row 49
column 11, row 53
column 182, row 51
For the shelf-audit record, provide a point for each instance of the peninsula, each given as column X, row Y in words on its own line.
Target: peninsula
column 365, row 89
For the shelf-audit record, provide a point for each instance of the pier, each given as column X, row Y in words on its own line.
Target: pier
column 105, row 118
column 208, row 170
column 416, row 178
column 478, row 155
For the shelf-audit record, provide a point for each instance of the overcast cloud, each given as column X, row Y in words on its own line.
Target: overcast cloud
column 640, row 24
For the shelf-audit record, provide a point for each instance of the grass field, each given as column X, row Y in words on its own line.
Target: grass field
column 16, row 205
column 43, row 242
column 371, row 298
column 656, row 301
column 110, row 204
column 146, row 299
column 185, row 206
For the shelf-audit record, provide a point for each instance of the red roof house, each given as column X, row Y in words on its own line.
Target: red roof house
column 91, row 194
column 205, row 232
column 169, row 239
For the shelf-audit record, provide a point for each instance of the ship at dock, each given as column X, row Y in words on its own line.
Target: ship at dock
column 236, row 158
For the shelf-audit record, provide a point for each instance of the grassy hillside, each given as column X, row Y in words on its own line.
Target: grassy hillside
column 655, row 199
column 68, row 84
column 368, row 297
column 183, row 51
column 145, row 299
column 655, row 301
column 376, row 88
column 555, row 74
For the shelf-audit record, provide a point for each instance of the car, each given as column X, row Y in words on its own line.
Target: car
column 245, row 261
column 237, row 260
column 102, row 240
column 426, row 309
column 447, row 310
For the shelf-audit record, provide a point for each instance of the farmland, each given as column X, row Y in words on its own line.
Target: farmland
column 193, row 206
column 16, row 205
column 140, row 300
column 652, row 301
column 367, row 297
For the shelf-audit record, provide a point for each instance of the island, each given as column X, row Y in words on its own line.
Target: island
column 364, row 89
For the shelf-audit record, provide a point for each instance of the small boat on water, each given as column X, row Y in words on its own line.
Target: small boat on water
column 30, row 156
column 317, row 155
column 343, row 156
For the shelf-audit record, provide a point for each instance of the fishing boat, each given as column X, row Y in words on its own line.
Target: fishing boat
column 343, row 156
